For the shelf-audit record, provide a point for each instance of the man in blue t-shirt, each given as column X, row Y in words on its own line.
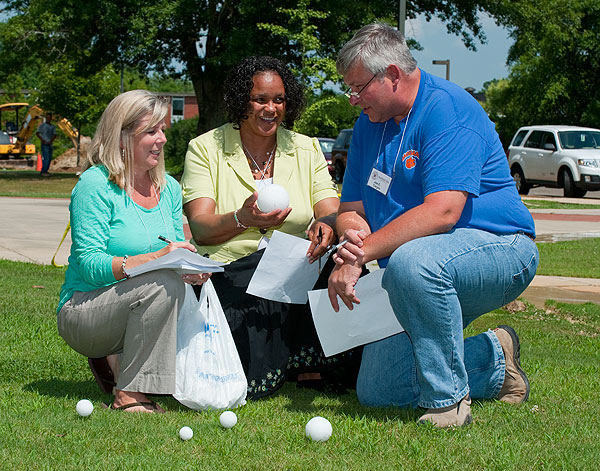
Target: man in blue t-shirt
column 428, row 194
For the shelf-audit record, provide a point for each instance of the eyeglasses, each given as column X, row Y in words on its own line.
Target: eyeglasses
column 350, row 94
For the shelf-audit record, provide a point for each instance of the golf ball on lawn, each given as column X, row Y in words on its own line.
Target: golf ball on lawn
column 272, row 197
column 318, row 429
column 228, row 419
column 84, row 408
column 185, row 433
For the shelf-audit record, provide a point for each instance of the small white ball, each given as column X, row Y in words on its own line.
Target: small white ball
column 318, row 429
column 185, row 433
column 84, row 408
column 228, row 419
column 272, row 197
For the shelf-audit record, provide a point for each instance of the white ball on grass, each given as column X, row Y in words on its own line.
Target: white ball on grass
column 272, row 197
column 228, row 419
column 186, row 433
column 84, row 408
column 318, row 429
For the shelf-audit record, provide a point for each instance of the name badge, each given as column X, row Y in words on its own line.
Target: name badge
column 379, row 181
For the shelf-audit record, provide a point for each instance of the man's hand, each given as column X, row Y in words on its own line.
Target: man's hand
column 351, row 252
column 341, row 283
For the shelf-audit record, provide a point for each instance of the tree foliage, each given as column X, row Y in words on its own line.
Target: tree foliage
column 326, row 117
column 554, row 64
column 207, row 37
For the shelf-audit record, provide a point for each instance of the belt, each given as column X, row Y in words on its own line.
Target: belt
column 526, row 234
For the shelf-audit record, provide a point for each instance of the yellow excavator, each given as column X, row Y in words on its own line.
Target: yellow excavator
column 14, row 137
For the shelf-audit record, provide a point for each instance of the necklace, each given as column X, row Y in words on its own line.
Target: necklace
column 139, row 214
column 267, row 164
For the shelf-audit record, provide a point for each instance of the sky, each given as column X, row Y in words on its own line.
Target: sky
column 467, row 68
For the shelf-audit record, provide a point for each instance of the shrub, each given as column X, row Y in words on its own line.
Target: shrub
column 178, row 137
column 326, row 117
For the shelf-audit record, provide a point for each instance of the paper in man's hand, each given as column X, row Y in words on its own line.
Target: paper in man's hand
column 373, row 319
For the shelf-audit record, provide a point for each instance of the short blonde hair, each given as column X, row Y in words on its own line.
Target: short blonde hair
column 112, row 145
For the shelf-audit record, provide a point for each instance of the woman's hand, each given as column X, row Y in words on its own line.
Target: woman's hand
column 321, row 236
column 174, row 246
column 196, row 278
column 249, row 215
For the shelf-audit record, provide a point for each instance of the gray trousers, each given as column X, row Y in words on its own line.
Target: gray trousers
column 136, row 318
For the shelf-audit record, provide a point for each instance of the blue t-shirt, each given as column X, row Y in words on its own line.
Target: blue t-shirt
column 447, row 142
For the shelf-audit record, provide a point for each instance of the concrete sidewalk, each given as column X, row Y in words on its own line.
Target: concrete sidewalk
column 31, row 229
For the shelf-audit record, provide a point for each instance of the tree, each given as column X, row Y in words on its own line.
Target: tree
column 554, row 64
column 207, row 37
column 326, row 117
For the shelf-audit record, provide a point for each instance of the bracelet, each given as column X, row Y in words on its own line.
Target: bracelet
column 123, row 267
column 237, row 221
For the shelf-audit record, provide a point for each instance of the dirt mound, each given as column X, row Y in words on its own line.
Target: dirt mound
column 68, row 159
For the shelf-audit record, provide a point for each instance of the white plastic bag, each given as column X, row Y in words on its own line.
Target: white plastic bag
column 209, row 374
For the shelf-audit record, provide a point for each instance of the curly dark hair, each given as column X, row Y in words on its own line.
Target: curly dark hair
column 239, row 84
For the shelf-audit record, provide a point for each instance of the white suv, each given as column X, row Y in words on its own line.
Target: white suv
column 565, row 157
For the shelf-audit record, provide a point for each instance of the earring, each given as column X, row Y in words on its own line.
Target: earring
column 122, row 153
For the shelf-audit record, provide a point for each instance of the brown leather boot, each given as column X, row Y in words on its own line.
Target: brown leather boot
column 455, row 415
column 516, row 385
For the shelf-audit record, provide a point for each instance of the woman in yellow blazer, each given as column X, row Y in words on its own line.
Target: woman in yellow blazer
column 224, row 169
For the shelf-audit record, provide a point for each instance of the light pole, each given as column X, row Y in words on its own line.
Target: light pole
column 447, row 64
column 401, row 16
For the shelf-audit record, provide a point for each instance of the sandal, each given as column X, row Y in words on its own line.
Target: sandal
column 103, row 374
column 153, row 406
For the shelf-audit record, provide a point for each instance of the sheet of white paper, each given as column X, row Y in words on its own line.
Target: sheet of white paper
column 182, row 261
column 373, row 319
column 283, row 273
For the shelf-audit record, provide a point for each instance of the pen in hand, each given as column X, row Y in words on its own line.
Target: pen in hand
column 164, row 239
column 337, row 246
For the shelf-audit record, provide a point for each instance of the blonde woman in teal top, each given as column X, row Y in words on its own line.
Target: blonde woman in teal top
column 120, row 205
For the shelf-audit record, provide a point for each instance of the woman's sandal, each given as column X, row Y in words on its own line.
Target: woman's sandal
column 103, row 374
column 153, row 406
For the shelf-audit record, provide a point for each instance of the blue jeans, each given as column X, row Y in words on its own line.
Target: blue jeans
column 46, row 157
column 437, row 285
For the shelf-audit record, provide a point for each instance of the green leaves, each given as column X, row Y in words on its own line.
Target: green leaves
column 555, row 62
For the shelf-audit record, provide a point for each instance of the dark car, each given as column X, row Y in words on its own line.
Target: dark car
column 339, row 154
column 326, row 146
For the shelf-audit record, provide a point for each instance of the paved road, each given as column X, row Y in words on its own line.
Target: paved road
column 31, row 229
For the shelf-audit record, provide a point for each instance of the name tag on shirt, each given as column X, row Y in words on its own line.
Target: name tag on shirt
column 379, row 181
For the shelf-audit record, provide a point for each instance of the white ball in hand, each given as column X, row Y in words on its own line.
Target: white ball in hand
column 318, row 429
column 272, row 197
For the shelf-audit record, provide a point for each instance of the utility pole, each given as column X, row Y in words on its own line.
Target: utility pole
column 447, row 64
column 401, row 16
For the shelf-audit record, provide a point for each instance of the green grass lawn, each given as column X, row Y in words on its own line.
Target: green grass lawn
column 577, row 258
column 41, row 380
column 29, row 183
column 548, row 204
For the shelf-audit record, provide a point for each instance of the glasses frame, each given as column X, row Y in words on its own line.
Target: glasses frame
column 350, row 94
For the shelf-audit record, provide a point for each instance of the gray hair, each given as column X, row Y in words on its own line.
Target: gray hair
column 376, row 46
column 113, row 145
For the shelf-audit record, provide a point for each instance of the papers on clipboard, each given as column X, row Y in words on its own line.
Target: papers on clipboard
column 373, row 319
column 180, row 260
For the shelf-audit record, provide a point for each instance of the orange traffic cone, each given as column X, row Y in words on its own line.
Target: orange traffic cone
column 38, row 166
